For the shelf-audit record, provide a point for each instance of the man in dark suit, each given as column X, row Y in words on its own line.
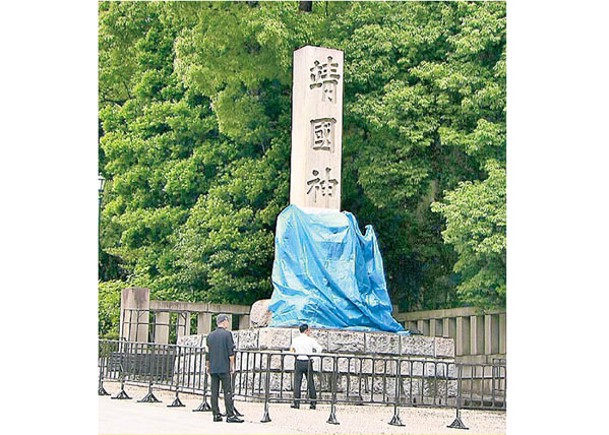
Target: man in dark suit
column 221, row 365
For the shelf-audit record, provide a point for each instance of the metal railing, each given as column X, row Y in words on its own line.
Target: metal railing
column 267, row 376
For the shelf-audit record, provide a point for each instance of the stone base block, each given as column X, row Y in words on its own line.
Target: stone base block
column 364, row 362
column 274, row 338
column 349, row 342
column 338, row 341
column 197, row 340
column 444, row 347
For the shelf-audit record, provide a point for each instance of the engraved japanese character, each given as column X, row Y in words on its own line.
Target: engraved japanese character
column 322, row 134
column 324, row 186
column 325, row 76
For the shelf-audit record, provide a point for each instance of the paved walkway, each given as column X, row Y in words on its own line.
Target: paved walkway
column 131, row 417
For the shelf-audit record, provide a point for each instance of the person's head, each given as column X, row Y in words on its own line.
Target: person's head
column 222, row 320
column 304, row 329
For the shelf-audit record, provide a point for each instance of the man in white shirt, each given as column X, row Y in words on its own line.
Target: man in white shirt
column 304, row 345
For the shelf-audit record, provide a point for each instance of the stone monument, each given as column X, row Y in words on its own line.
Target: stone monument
column 317, row 127
column 317, row 119
column 315, row 186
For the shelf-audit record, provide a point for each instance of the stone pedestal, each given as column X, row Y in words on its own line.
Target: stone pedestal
column 340, row 341
column 428, row 366
column 349, row 342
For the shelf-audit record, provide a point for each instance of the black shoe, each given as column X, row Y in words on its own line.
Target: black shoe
column 295, row 406
column 217, row 418
column 312, row 406
column 234, row 419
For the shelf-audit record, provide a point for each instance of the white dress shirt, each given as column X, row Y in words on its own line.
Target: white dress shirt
column 304, row 345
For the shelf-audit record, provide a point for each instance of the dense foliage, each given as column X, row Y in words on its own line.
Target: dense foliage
column 195, row 117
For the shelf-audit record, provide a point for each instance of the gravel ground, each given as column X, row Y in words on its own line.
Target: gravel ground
column 131, row 417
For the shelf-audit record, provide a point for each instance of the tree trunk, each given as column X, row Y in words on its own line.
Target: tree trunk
column 305, row 6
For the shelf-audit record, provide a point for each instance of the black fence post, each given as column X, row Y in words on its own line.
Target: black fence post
column 458, row 423
column 149, row 397
column 101, row 391
column 177, row 403
column 152, row 370
column 204, row 406
column 395, row 420
column 266, row 417
column 332, row 419
column 123, row 367
column 233, row 378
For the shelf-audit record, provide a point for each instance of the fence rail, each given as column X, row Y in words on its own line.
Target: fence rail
column 145, row 320
column 479, row 337
column 267, row 376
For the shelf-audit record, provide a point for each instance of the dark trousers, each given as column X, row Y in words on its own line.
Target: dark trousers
column 228, row 393
column 304, row 368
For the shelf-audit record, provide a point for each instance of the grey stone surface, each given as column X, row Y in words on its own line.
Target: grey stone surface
column 188, row 370
column 374, row 344
column 385, row 367
column 277, row 361
column 197, row 340
column 274, row 338
column 345, row 365
column 350, row 342
column 346, row 341
column 317, row 115
column 423, row 358
column 260, row 316
column 282, row 383
column 444, row 347
column 248, row 339
column 379, row 388
column 426, row 368
column 382, row 343
column 417, row 345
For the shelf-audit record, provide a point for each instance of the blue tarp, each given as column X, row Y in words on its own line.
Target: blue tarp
column 328, row 274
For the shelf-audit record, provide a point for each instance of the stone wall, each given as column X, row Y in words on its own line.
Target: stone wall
column 352, row 342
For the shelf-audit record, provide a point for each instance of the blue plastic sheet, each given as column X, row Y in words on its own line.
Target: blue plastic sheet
column 328, row 274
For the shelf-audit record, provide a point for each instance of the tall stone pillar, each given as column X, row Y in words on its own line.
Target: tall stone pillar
column 244, row 321
column 423, row 326
column 161, row 327
column 435, row 327
column 463, row 341
column 449, row 327
column 477, row 335
column 204, row 323
column 502, row 333
column 491, row 334
column 183, row 324
column 317, row 128
column 135, row 309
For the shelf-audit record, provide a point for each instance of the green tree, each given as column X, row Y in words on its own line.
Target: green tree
column 109, row 303
column 195, row 106
column 425, row 109
column 475, row 215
